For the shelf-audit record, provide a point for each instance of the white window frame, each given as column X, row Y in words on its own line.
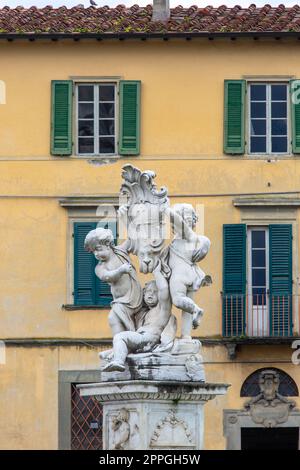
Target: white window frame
column 257, row 327
column 96, row 117
column 268, row 117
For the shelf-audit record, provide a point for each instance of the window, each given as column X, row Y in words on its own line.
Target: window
column 106, row 118
column 268, row 118
column 262, row 117
column 88, row 289
column 96, row 119
column 257, row 280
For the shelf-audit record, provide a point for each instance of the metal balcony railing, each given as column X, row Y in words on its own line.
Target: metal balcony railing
column 260, row 315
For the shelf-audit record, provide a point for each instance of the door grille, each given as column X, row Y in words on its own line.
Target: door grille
column 86, row 422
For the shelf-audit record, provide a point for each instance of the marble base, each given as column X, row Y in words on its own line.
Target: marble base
column 182, row 363
column 157, row 415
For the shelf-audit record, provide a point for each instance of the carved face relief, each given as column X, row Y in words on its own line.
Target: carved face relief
column 148, row 258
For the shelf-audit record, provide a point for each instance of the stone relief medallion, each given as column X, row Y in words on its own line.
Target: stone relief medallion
column 171, row 431
column 232, row 419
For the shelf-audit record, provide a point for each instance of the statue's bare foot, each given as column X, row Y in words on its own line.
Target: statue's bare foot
column 107, row 355
column 114, row 366
column 196, row 317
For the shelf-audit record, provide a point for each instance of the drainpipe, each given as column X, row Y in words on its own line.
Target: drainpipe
column 161, row 10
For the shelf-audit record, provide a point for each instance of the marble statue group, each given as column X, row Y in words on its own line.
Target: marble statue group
column 143, row 326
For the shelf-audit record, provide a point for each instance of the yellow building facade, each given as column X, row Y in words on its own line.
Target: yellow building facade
column 49, row 343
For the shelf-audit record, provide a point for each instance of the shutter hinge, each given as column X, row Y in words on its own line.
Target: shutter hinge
column 73, row 293
column 72, row 235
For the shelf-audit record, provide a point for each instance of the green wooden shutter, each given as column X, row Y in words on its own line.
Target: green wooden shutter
column 61, row 118
column 84, row 266
column 234, row 116
column 234, row 279
column 280, row 261
column 130, row 97
column 88, row 289
column 295, row 115
column 103, row 295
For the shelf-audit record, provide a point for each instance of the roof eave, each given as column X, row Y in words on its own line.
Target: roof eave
column 32, row 36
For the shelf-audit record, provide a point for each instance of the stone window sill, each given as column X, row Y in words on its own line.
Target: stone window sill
column 85, row 307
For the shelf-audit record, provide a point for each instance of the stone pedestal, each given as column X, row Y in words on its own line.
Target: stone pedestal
column 143, row 414
column 182, row 363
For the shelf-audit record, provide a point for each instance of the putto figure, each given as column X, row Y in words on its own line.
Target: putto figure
column 115, row 268
column 151, row 321
column 186, row 249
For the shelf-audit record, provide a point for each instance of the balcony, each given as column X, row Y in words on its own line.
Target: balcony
column 259, row 316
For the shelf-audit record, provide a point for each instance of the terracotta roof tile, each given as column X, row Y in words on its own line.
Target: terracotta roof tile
column 122, row 19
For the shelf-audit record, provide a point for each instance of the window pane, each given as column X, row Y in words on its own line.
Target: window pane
column 107, row 145
column 86, row 145
column 259, row 295
column 258, row 127
column 279, row 144
column 258, row 258
column 106, row 110
column 86, row 110
column 85, row 128
column 258, row 277
column 86, row 93
column 279, row 127
column 106, row 93
column 278, row 92
column 258, row 92
column 258, row 144
column 258, row 110
column 106, row 127
column 258, row 239
column 278, row 110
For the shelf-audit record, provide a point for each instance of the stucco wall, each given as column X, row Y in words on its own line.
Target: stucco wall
column 182, row 140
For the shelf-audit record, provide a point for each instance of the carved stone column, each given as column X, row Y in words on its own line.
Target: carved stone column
column 153, row 415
